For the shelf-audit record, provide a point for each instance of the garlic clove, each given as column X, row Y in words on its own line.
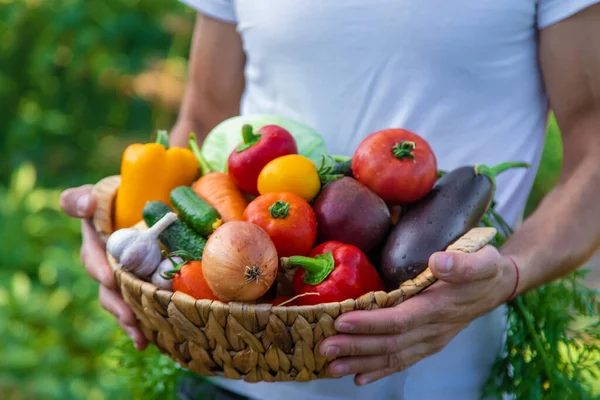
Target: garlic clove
column 140, row 258
column 139, row 251
column 119, row 240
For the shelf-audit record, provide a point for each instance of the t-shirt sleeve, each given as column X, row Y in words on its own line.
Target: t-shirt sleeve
column 553, row 11
column 219, row 9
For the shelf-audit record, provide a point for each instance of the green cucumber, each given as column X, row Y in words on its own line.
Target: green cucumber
column 194, row 211
column 178, row 236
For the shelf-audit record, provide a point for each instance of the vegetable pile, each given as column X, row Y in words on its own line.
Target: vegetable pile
column 310, row 228
column 263, row 214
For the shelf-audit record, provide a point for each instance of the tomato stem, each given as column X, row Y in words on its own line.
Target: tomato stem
column 279, row 209
column 404, row 150
column 250, row 138
column 186, row 257
column 316, row 270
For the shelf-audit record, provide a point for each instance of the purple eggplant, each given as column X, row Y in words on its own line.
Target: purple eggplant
column 456, row 204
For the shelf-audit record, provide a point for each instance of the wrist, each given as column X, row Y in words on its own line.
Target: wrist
column 515, row 291
column 511, row 278
column 180, row 133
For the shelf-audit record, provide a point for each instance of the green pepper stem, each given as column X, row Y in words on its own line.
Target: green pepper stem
column 162, row 137
column 404, row 150
column 279, row 209
column 247, row 133
column 202, row 164
column 316, row 269
column 250, row 138
column 492, row 172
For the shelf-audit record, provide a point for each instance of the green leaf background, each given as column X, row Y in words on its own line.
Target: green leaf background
column 79, row 80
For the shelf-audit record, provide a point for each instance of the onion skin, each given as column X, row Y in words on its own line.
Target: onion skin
column 232, row 253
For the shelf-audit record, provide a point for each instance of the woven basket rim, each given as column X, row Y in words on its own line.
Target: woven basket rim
column 426, row 276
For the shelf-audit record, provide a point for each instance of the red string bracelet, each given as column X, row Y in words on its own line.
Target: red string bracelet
column 514, row 293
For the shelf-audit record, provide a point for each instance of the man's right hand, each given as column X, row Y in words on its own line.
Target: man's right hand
column 79, row 203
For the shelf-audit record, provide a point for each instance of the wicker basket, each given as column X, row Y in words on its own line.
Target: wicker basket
column 246, row 341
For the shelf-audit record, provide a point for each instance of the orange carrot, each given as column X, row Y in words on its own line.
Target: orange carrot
column 218, row 190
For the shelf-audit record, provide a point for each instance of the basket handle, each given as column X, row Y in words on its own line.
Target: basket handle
column 470, row 242
column 104, row 192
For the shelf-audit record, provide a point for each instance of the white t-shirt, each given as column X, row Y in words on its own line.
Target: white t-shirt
column 463, row 74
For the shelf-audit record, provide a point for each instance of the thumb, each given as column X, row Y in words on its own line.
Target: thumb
column 78, row 202
column 458, row 267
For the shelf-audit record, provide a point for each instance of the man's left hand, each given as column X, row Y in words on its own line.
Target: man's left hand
column 378, row 343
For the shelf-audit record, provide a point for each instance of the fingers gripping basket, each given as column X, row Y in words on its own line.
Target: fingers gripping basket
column 246, row 341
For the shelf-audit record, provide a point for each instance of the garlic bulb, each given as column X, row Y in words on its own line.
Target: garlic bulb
column 139, row 251
column 159, row 278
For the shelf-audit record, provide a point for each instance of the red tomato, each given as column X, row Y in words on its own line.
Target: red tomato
column 190, row 280
column 396, row 164
column 288, row 219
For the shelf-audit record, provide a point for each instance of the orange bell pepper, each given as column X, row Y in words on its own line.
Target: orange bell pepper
column 149, row 172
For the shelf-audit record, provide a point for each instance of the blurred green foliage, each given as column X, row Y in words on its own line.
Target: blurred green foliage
column 67, row 73
column 549, row 171
column 69, row 79
column 53, row 333
column 72, row 97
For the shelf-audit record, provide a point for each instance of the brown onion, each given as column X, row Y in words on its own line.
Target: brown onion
column 239, row 262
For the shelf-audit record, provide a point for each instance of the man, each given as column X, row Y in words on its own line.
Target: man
column 475, row 79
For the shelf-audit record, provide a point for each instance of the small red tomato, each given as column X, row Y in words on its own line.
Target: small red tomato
column 288, row 219
column 190, row 280
column 396, row 164
column 247, row 160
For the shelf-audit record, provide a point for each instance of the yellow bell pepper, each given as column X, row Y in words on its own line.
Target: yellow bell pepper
column 149, row 172
column 292, row 173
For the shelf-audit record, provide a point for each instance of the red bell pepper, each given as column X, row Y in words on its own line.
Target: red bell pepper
column 334, row 270
column 249, row 158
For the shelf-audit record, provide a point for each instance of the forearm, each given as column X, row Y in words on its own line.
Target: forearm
column 200, row 123
column 565, row 229
column 215, row 80
column 198, row 114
